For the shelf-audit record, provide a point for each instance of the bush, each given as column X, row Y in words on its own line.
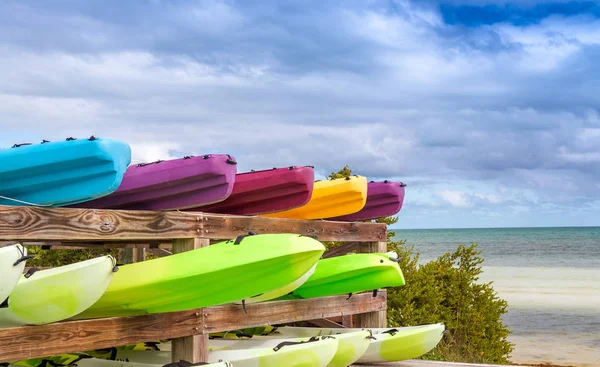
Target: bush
column 447, row 290
column 54, row 258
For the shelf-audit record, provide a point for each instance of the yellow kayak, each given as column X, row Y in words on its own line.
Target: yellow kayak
column 330, row 198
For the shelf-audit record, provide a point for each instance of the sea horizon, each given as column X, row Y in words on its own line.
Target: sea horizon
column 550, row 277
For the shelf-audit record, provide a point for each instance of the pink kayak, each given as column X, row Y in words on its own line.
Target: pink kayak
column 182, row 183
column 383, row 200
column 267, row 191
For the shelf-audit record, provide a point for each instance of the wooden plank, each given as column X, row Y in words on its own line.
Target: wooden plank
column 376, row 319
column 49, row 224
column 325, row 323
column 229, row 317
column 230, row 226
column 73, row 336
column 193, row 348
column 348, row 321
column 43, row 224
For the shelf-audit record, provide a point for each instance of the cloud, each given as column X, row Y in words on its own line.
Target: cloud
column 388, row 87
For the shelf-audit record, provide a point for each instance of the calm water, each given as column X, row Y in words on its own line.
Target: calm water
column 550, row 278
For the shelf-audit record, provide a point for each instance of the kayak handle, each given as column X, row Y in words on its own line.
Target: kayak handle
column 312, row 339
column 31, row 271
column 23, row 256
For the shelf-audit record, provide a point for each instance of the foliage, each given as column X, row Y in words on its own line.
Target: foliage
column 53, row 258
column 447, row 290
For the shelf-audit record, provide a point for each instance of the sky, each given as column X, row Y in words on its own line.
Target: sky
column 487, row 110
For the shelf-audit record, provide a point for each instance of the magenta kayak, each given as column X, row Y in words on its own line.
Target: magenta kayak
column 267, row 191
column 182, row 183
column 383, row 199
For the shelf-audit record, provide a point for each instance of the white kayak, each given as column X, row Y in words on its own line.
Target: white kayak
column 50, row 295
column 389, row 345
column 12, row 265
column 351, row 346
column 305, row 352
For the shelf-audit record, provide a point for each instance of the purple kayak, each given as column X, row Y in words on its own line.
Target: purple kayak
column 182, row 183
column 383, row 200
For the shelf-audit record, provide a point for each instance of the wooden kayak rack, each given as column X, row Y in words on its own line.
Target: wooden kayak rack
column 179, row 231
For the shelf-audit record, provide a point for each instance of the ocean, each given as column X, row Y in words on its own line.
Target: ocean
column 550, row 278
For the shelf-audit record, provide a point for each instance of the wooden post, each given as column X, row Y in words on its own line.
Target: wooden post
column 377, row 319
column 194, row 348
column 139, row 254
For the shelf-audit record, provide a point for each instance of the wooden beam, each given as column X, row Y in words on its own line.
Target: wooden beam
column 342, row 249
column 193, row 348
column 325, row 323
column 232, row 226
column 75, row 336
column 59, row 224
column 231, row 317
column 81, row 335
column 376, row 319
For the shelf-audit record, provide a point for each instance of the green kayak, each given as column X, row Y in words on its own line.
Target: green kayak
column 351, row 273
column 51, row 295
column 225, row 272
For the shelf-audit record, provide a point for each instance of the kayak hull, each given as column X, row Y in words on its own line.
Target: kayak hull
column 267, row 191
column 330, row 198
column 384, row 199
column 351, row 346
column 183, row 183
column 389, row 345
column 249, row 265
column 58, row 293
column 351, row 273
column 62, row 173
column 12, row 264
column 313, row 352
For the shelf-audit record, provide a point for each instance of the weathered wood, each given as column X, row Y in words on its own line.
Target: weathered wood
column 66, row 245
column 342, row 249
column 49, row 224
column 376, row 319
column 193, row 348
column 231, row 226
column 229, row 317
column 139, row 254
column 73, row 336
column 348, row 321
column 325, row 323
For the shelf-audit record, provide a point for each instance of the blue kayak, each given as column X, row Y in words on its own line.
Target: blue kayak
column 63, row 172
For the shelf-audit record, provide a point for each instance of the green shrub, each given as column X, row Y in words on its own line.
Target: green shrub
column 53, row 258
column 447, row 290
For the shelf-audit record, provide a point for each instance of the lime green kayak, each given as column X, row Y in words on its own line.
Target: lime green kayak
column 225, row 272
column 50, row 295
column 295, row 352
column 351, row 273
column 388, row 345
